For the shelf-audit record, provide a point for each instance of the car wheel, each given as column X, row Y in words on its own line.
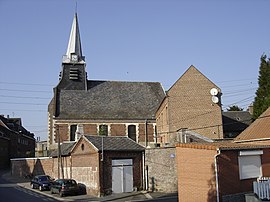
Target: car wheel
column 32, row 186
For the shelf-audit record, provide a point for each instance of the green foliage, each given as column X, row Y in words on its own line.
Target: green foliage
column 234, row 108
column 262, row 99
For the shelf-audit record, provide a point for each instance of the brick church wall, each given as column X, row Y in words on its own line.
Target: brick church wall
column 118, row 130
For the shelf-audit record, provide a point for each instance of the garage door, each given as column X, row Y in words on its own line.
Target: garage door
column 122, row 175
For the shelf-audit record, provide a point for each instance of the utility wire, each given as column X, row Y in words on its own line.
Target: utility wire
column 25, row 84
column 22, row 103
column 217, row 125
column 10, row 96
column 32, row 91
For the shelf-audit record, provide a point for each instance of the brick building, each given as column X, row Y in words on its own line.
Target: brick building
column 15, row 140
column 109, row 108
column 102, row 164
column 219, row 171
column 193, row 103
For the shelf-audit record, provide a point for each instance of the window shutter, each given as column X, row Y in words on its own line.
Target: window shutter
column 249, row 166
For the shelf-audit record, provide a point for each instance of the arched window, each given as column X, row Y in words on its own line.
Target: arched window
column 132, row 132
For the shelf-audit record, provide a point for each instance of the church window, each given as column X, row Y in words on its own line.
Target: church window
column 132, row 132
column 103, row 130
column 72, row 133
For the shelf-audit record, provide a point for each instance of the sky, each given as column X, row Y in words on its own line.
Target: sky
column 129, row 40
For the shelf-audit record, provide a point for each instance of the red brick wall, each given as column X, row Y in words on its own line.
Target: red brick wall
column 63, row 130
column 266, row 162
column 118, row 130
column 90, row 129
column 34, row 166
column 106, row 177
column 196, row 174
column 229, row 179
column 150, row 133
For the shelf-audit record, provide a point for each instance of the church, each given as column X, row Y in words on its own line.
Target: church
column 95, row 107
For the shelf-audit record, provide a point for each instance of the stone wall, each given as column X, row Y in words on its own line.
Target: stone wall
column 161, row 169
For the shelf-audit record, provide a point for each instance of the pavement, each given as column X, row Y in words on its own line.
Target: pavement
column 132, row 196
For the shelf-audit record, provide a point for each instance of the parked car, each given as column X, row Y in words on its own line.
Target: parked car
column 41, row 182
column 65, row 187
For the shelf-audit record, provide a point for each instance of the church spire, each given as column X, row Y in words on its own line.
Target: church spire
column 74, row 50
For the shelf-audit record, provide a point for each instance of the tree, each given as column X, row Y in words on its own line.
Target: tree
column 234, row 108
column 262, row 99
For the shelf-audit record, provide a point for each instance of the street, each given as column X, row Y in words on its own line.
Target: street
column 11, row 191
column 17, row 193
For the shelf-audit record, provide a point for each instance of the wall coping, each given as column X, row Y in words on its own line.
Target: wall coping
column 33, row 158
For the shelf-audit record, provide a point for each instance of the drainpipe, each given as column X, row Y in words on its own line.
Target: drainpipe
column 146, row 135
column 143, row 164
column 70, row 174
column 216, row 174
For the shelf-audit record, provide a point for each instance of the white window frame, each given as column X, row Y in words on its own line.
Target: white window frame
column 250, row 165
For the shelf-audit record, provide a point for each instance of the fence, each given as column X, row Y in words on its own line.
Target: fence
column 262, row 188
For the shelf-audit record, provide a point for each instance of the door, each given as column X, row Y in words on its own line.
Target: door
column 122, row 175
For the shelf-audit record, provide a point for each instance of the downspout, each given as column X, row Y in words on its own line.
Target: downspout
column 216, row 174
column 70, row 174
column 146, row 135
column 143, row 164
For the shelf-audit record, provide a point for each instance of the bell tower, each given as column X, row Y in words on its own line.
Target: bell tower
column 73, row 75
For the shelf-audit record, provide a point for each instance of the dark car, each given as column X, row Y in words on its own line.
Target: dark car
column 41, row 182
column 65, row 187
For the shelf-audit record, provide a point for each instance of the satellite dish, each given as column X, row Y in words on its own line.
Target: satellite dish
column 213, row 91
column 215, row 99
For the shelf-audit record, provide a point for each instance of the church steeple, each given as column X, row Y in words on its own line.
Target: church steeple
column 74, row 50
column 73, row 75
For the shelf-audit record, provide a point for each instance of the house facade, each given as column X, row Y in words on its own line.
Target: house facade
column 219, row 171
column 109, row 108
column 193, row 103
column 15, row 140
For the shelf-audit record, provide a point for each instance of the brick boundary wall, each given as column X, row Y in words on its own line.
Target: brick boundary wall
column 29, row 167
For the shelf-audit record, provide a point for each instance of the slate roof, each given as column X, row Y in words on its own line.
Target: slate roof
column 14, row 125
column 236, row 121
column 258, row 130
column 114, row 143
column 112, row 100
column 66, row 149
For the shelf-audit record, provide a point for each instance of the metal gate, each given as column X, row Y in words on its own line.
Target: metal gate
column 122, row 175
